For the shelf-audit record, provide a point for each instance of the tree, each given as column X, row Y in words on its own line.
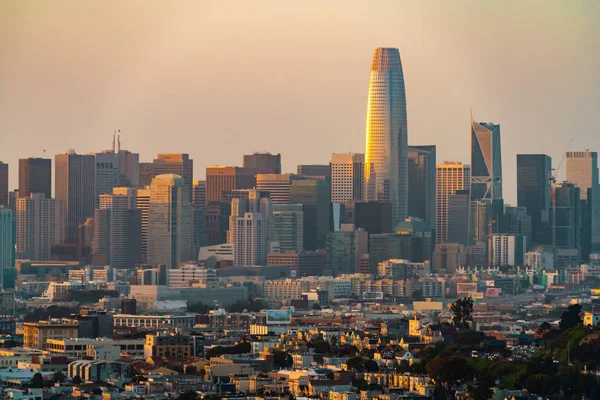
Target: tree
column 371, row 366
column 316, row 306
column 462, row 310
column 282, row 359
column 198, row 308
column 37, row 381
column 58, row 377
column 571, row 318
column 77, row 380
column 322, row 347
column 417, row 295
column 191, row 395
column 449, row 373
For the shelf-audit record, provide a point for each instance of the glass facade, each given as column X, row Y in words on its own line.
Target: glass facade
column 486, row 161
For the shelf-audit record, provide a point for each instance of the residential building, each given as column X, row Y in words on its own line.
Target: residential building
column 347, row 177
column 35, row 176
column 507, row 250
column 386, row 147
column 403, row 269
column 250, row 237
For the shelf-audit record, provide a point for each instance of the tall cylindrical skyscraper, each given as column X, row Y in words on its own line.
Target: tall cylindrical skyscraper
column 386, row 145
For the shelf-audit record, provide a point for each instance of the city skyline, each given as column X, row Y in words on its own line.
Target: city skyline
column 156, row 80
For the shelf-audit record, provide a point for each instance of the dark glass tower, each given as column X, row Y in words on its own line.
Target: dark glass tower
column 533, row 192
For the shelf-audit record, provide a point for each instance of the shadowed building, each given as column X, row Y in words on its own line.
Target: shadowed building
column 35, row 176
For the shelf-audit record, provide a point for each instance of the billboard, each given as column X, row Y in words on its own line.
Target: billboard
column 493, row 292
column 466, row 288
column 490, row 283
column 373, row 296
column 279, row 317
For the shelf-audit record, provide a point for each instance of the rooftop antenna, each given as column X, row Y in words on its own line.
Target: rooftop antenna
column 119, row 140
column 113, row 144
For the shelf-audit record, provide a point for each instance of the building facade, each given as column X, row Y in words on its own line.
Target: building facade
column 421, row 181
column 486, row 161
column 533, row 192
column 35, row 176
column 347, row 177
column 450, row 177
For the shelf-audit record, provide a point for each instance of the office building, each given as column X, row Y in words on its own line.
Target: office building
column 486, row 161
column 129, row 168
column 146, row 174
column 74, row 180
column 386, row 145
column 421, row 183
column 314, row 197
column 533, row 192
column 347, row 177
column 220, row 179
column 398, row 269
column 565, row 216
column 6, row 242
column 177, row 164
column 165, row 344
column 35, row 176
column 107, row 173
column 451, row 176
column 263, row 163
column 35, row 334
column 507, row 250
column 518, row 222
column 118, row 228
column 289, row 226
column 250, row 237
column 217, row 223
column 449, row 256
column 41, row 222
column 142, row 203
column 374, row 217
column 582, row 170
column 3, row 184
column 458, row 217
column 170, row 222
column 199, row 193
column 277, row 185
column 303, row 263
column 341, row 256
column 315, row 171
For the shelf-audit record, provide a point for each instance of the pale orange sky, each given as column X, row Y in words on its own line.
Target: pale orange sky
column 219, row 79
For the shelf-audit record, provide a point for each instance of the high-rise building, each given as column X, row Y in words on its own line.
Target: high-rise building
column 533, row 192
column 129, row 168
column 518, row 222
column 3, row 184
column 486, row 161
column 178, row 164
column 142, row 203
column 35, row 176
column 341, row 256
column 277, row 185
column 289, row 227
column 170, row 223
column 386, row 147
column 373, row 217
column 146, row 174
column 507, row 250
column 565, row 216
column 421, row 183
column 217, row 222
column 41, row 222
column 220, row 179
column 314, row 197
column 582, row 170
column 347, row 177
column 263, row 163
column 199, row 193
column 7, row 247
column 250, row 237
column 118, row 227
column 451, row 176
column 314, row 171
column 458, row 217
column 199, row 209
column 449, row 256
column 107, row 173
column 75, row 183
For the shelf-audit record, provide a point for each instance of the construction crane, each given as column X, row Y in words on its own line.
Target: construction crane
column 552, row 179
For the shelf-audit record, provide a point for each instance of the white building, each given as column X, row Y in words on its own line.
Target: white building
column 347, row 177
column 191, row 275
column 451, row 176
column 170, row 236
column 403, row 269
column 41, row 222
column 250, row 240
column 507, row 250
column 539, row 259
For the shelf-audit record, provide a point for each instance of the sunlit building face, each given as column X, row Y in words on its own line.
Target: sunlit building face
column 386, row 165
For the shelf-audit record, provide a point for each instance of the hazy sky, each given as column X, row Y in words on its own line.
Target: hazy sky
column 218, row 79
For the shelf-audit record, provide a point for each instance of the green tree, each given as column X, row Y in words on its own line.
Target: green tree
column 58, row 377
column 191, row 395
column 571, row 317
column 316, row 306
column 77, row 380
column 449, row 373
column 322, row 347
column 198, row 308
column 462, row 310
column 37, row 381
column 282, row 359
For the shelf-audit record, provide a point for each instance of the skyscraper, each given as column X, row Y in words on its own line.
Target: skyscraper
column 35, row 176
column 486, row 161
column 142, row 203
column 220, row 179
column 263, row 163
column 386, row 162
column 178, row 164
column 277, row 185
column 314, row 170
column 347, row 177
column 289, row 228
column 199, row 193
column 74, row 179
column 249, row 238
column 41, row 222
column 421, row 183
column 451, row 176
column 107, row 173
column 6, row 242
column 314, row 197
column 146, row 174
column 3, row 184
column 170, row 223
column 458, row 217
column 565, row 216
column 129, row 168
column 533, row 192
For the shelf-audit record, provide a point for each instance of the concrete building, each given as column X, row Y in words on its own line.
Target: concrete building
column 250, row 240
column 170, row 222
column 451, row 176
column 94, row 371
column 165, row 344
column 373, row 217
column 288, row 289
column 107, row 173
column 142, row 203
column 403, row 269
column 458, row 217
column 129, row 168
column 3, row 184
column 75, row 183
column 146, row 296
column 150, row 322
column 315, row 171
column 421, row 181
column 35, row 334
column 41, row 222
column 277, row 185
column 347, row 177
column 289, row 226
column 449, row 256
column 220, row 179
column 263, row 163
column 146, row 174
column 565, row 216
column 507, row 250
column 303, row 263
column 35, row 176
column 81, row 347
column 176, row 164
column 191, row 275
